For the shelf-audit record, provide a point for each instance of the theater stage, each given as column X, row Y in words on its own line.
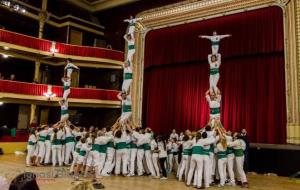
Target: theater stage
column 11, row 165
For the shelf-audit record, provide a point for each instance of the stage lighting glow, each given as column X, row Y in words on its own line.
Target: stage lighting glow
column 6, row 48
column 5, row 56
column 1, row 103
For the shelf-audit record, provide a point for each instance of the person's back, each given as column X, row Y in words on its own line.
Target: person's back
column 24, row 181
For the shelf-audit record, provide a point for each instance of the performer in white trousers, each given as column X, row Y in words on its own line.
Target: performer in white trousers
column 64, row 112
column 127, row 77
column 170, row 155
column 141, row 140
column 186, row 157
column 48, row 146
column 155, row 151
column 70, row 144
column 131, row 27
column 84, row 150
column 238, row 145
column 214, row 102
column 121, row 155
column 214, row 61
column 110, row 154
column 42, row 134
column 222, row 160
column 102, row 140
column 130, row 46
column 69, row 68
column 76, row 154
column 67, row 83
column 230, row 159
column 92, row 157
column 31, row 147
column 126, row 107
column 133, row 155
column 56, row 139
column 215, row 41
column 212, row 158
column 147, row 149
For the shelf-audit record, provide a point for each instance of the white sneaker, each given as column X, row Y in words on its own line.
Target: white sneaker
column 105, row 175
column 163, row 178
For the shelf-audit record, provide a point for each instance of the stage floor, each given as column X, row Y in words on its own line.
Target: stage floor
column 11, row 165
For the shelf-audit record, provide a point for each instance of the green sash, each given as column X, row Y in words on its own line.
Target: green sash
column 146, row 146
column 211, row 148
column 229, row 150
column 127, row 76
column 126, row 108
column 48, row 137
column 42, row 138
column 82, row 153
column 56, row 142
column 206, row 152
column 214, row 71
column 221, row 154
column 121, row 145
column 131, row 24
column 238, row 152
column 66, row 88
column 31, row 143
column 102, row 148
column 187, row 152
column 215, row 43
column 63, row 112
column 214, row 111
column 197, row 150
column 77, row 150
column 130, row 47
column 110, row 145
column 69, row 139
column 95, row 147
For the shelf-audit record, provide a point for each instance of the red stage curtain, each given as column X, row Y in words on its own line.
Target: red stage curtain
column 39, row 90
column 252, row 74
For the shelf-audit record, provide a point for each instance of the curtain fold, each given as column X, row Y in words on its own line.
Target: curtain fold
column 252, row 76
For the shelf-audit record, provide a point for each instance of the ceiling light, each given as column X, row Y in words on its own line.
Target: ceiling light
column 1, row 103
column 5, row 56
column 6, row 48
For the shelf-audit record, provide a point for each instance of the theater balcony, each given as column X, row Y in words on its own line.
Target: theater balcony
column 55, row 53
column 47, row 95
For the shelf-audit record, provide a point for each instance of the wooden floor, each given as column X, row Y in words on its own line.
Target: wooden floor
column 11, row 165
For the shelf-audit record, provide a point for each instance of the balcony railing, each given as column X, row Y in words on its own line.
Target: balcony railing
column 15, row 87
column 66, row 49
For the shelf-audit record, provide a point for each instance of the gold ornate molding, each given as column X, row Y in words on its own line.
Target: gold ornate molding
column 197, row 10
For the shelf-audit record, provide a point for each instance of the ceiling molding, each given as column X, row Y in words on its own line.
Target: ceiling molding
column 100, row 5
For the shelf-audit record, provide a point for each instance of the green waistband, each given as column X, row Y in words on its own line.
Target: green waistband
column 42, row 138
column 82, row 153
column 238, row 152
column 95, row 147
column 77, row 150
column 141, row 147
column 56, row 142
column 127, row 76
column 146, row 146
column 229, row 150
column 63, row 141
column 102, row 148
column 131, row 24
column 197, row 150
column 66, row 88
column 211, row 148
column 214, row 110
column 48, row 137
column 130, row 47
column 126, row 108
column 121, row 145
column 221, row 154
column 132, row 145
column 214, row 71
column 63, row 112
column 187, row 152
column 31, row 143
column 69, row 139
column 110, row 145
column 215, row 43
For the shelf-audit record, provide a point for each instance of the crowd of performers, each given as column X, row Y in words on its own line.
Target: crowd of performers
column 129, row 151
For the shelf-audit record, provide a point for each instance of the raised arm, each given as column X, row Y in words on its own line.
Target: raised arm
column 224, row 36
column 125, row 37
column 119, row 96
column 205, row 37
column 219, row 59
column 126, row 20
column 209, row 58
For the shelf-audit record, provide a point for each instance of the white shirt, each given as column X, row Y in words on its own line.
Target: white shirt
column 216, row 64
column 59, row 135
column 214, row 103
column 32, row 138
column 162, row 151
column 174, row 136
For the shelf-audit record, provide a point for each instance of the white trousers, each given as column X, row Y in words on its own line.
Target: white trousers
column 121, row 158
column 149, row 162
column 101, row 162
column 109, row 163
column 69, row 73
column 64, row 117
column 126, row 85
column 130, row 54
column 170, row 162
column 230, row 164
column 222, row 170
column 30, row 154
column 140, row 156
column 41, row 147
column 131, row 30
column 92, row 159
column 184, row 167
column 239, row 162
column 215, row 49
column 155, row 164
column 212, row 166
column 125, row 116
column 213, row 82
column 75, row 160
column 66, row 94
column 133, row 154
column 69, row 151
column 48, row 151
column 56, row 155
column 196, row 164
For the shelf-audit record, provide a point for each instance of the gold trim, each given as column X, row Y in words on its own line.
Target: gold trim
column 197, row 10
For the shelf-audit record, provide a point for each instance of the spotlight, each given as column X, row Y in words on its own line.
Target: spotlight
column 1, row 103
column 6, row 3
column 23, row 10
column 5, row 56
column 6, row 48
